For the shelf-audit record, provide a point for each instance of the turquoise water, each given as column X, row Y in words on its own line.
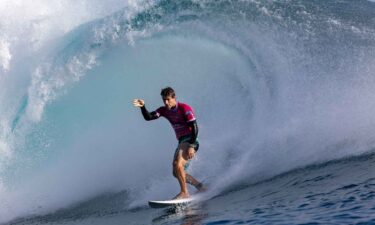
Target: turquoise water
column 283, row 92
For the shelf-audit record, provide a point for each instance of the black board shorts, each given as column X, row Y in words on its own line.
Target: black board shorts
column 182, row 140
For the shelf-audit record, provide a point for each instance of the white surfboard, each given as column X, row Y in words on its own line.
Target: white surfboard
column 169, row 203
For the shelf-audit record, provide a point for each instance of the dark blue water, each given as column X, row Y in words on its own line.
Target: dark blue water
column 337, row 192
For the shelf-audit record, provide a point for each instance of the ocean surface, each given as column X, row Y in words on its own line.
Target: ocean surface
column 283, row 92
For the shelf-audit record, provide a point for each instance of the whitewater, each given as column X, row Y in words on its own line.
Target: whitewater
column 283, row 93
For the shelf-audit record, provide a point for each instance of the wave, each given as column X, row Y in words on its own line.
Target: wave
column 312, row 187
column 275, row 85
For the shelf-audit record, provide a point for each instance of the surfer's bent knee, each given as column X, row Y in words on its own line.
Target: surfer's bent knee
column 178, row 161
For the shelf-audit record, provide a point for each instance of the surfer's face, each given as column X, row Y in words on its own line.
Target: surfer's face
column 169, row 102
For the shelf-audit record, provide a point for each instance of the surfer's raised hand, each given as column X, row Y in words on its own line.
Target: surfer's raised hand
column 191, row 153
column 138, row 102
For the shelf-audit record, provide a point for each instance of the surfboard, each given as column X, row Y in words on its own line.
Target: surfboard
column 170, row 203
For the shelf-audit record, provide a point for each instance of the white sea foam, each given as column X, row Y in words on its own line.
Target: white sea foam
column 5, row 55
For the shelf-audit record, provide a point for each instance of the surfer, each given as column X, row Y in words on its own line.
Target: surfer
column 183, row 121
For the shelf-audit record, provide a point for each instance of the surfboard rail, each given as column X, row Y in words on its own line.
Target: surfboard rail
column 169, row 203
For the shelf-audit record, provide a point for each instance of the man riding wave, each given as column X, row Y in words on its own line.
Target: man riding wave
column 182, row 118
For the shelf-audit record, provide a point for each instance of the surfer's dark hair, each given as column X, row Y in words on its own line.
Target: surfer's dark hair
column 167, row 92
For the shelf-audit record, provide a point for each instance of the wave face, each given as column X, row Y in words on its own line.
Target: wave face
column 276, row 85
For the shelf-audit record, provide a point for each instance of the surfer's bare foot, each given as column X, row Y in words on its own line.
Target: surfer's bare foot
column 201, row 188
column 181, row 195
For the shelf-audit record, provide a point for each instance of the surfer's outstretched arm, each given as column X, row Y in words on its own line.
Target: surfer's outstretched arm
column 146, row 114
